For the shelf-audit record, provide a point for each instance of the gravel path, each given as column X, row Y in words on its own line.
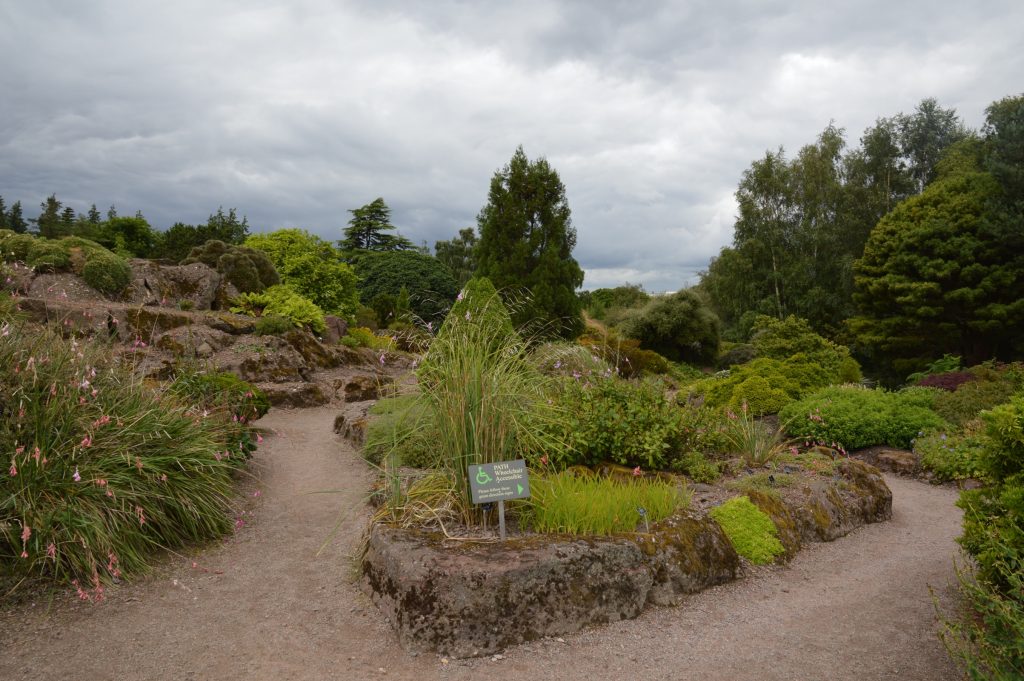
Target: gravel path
column 263, row 605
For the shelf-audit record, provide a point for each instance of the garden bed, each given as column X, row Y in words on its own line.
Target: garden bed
column 465, row 598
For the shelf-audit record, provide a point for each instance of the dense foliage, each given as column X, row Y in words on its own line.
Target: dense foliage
column 940, row 275
column 680, row 327
column 281, row 301
column 103, row 471
column 428, row 285
column 249, row 270
column 311, row 267
column 526, row 241
column 852, row 417
column 101, row 269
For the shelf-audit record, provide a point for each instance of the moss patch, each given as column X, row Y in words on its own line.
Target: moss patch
column 751, row 531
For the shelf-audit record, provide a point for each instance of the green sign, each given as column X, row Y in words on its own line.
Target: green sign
column 499, row 481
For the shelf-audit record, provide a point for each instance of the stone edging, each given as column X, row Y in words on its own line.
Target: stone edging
column 480, row 598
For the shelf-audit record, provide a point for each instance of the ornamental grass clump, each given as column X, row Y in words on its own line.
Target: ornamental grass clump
column 99, row 472
column 572, row 502
column 485, row 399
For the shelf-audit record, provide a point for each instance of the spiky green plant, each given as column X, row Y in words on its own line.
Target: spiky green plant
column 100, row 471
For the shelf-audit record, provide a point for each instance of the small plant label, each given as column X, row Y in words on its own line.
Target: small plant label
column 499, row 481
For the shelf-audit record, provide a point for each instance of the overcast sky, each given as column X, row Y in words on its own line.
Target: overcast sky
column 295, row 112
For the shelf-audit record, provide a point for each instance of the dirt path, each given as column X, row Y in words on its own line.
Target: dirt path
column 262, row 605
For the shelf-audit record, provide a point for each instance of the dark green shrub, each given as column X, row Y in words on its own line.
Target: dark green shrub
column 697, row 467
column 273, row 325
column 49, row 256
column 429, row 285
column 281, row 301
column 107, row 273
column 736, row 353
column 630, row 423
column 940, row 366
column 853, row 417
column 248, row 269
column 966, row 402
column 681, row 327
column 102, row 473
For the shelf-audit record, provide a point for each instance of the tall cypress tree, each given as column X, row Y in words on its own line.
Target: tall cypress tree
column 526, row 240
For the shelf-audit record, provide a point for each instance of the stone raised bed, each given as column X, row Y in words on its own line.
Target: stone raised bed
column 465, row 599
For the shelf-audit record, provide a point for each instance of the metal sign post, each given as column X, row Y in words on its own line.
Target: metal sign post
column 497, row 482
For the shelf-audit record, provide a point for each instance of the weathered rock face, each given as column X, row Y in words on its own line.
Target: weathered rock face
column 264, row 359
column 295, row 394
column 824, row 510
column 194, row 341
column 481, row 599
column 898, row 461
column 478, row 599
column 70, row 320
column 156, row 284
column 687, row 554
column 63, row 286
column 314, row 352
column 362, row 387
column 336, row 329
column 351, row 423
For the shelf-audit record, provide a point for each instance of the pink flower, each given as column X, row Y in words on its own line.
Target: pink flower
column 544, row 460
column 26, row 532
column 51, row 550
column 24, row 554
column 76, row 477
column 257, row 493
column 87, row 441
column 14, row 469
column 239, row 524
column 259, row 438
column 636, row 472
column 460, row 296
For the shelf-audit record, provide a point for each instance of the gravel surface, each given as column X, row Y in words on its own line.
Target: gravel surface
column 264, row 605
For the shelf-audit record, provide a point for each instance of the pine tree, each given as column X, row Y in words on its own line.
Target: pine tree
column 15, row 219
column 94, row 217
column 3, row 214
column 48, row 224
column 526, row 240
column 366, row 230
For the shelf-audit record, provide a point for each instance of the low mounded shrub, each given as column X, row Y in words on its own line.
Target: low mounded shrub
column 630, row 423
column 107, row 273
column 281, row 301
column 362, row 337
column 14, row 247
column 49, row 256
column 751, row 530
column 854, row 417
column 250, row 270
column 765, row 384
column 949, row 380
column 273, row 325
column 951, row 456
column 969, row 399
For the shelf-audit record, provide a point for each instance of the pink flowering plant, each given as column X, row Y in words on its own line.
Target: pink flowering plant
column 99, row 470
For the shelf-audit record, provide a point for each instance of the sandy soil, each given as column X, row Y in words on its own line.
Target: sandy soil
column 263, row 605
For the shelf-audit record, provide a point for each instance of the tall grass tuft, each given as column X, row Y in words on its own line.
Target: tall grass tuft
column 100, row 471
column 487, row 402
column 568, row 502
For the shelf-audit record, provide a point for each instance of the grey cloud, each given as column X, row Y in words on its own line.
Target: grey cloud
column 296, row 112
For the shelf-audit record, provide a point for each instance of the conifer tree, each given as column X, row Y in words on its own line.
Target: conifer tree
column 526, row 241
